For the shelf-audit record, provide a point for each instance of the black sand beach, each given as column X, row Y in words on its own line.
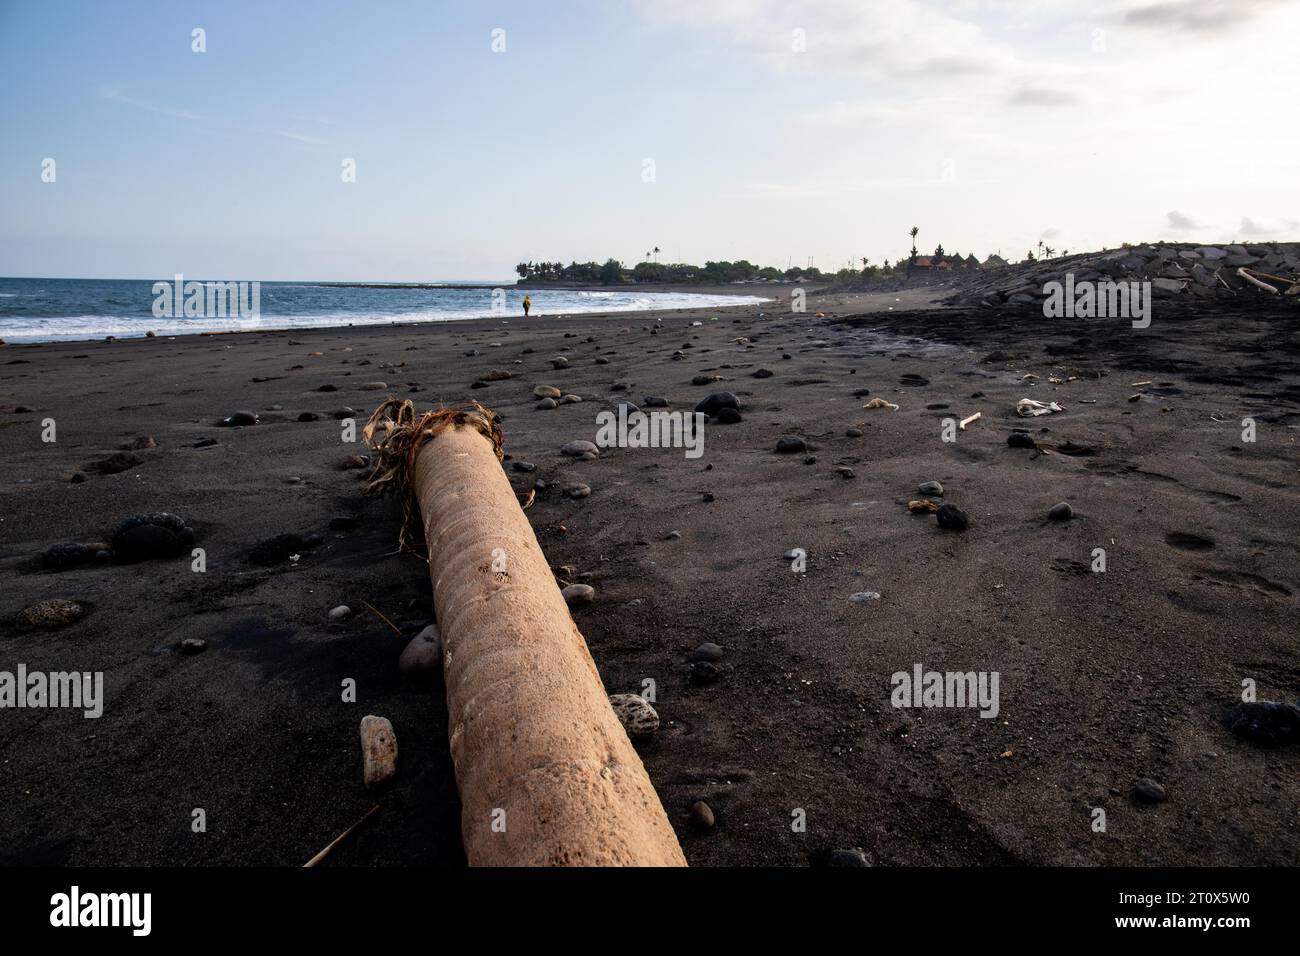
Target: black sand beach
column 1106, row 678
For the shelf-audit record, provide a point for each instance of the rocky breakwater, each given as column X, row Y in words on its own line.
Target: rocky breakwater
column 1175, row 270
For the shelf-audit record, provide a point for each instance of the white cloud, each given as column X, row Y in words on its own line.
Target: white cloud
column 1180, row 222
column 1258, row 228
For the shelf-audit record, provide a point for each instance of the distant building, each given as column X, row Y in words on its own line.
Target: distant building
column 994, row 261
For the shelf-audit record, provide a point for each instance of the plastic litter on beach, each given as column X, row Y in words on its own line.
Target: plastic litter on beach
column 1028, row 408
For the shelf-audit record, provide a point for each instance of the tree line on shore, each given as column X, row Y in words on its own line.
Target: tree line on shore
column 614, row 272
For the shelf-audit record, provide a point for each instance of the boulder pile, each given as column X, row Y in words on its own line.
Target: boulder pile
column 1175, row 270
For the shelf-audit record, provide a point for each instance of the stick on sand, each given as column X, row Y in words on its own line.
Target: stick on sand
column 546, row 773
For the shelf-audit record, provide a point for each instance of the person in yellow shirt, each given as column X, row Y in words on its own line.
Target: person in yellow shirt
column 528, row 304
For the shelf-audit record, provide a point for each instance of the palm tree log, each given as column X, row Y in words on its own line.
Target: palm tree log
column 546, row 773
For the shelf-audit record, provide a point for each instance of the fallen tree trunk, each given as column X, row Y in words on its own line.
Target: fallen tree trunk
column 546, row 773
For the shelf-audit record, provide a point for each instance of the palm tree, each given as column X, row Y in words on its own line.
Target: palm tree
column 656, row 254
column 1048, row 251
column 913, row 235
column 1040, row 247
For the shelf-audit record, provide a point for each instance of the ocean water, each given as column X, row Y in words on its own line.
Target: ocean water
column 54, row 310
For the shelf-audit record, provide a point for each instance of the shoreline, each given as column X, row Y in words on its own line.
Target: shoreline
column 402, row 321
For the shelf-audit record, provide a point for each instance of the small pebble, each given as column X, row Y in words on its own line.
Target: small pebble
column 702, row 816
column 932, row 488
column 340, row 613
column 577, row 449
column 708, row 651
column 953, row 518
column 423, row 655
column 636, row 715
column 1060, row 512
column 703, row 672
column 1148, row 791
column 577, row 595
column 240, row 420
column 50, row 614
column 790, row 445
column 378, row 751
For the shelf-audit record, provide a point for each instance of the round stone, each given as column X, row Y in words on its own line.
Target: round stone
column 702, row 817
column 953, row 518
column 930, row 488
column 423, row 655
column 704, row 672
column 713, row 403
column 708, row 651
column 577, row 449
column 576, row 595
column 636, row 715
column 790, row 445
column 1060, row 512
column 1148, row 791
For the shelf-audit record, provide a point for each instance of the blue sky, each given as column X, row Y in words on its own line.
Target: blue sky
column 990, row 124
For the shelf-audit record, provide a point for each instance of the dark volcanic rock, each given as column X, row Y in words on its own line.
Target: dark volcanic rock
column 714, row 403
column 1148, row 791
column 953, row 518
column 703, row 672
column 58, row 557
column 727, row 416
column 113, row 464
column 1265, row 722
column 790, row 445
column 240, row 420
column 1021, row 439
column 708, row 651
column 145, row 537
column 1060, row 511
